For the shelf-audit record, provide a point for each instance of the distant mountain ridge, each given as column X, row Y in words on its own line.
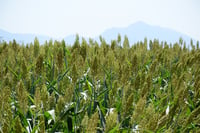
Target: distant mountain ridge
column 139, row 30
column 21, row 38
column 135, row 32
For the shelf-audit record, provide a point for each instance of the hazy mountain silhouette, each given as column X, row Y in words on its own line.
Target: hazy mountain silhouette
column 21, row 38
column 135, row 32
column 138, row 31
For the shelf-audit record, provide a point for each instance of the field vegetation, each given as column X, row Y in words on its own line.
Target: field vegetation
column 91, row 87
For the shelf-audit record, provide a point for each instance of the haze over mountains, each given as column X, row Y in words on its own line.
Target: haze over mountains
column 135, row 32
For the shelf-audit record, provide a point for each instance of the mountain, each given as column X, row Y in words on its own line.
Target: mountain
column 29, row 38
column 135, row 32
column 22, row 38
column 139, row 30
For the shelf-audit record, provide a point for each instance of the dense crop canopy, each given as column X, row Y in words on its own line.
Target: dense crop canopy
column 91, row 87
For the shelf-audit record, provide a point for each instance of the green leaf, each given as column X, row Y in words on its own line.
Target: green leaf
column 69, row 108
column 102, row 119
column 89, row 85
column 13, row 72
column 23, row 118
column 47, row 115
column 31, row 99
column 60, row 77
column 115, row 129
column 35, row 128
column 37, row 81
column 67, row 51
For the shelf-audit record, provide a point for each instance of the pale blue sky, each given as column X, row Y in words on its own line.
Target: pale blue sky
column 59, row 18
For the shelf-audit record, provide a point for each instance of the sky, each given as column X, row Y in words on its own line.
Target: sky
column 89, row 18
